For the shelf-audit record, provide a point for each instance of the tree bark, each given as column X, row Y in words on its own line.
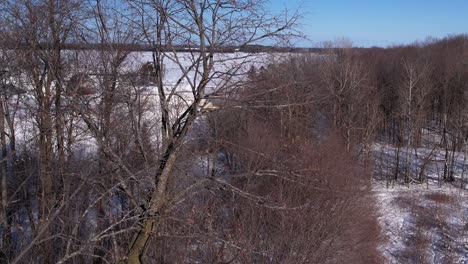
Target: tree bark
column 6, row 242
column 151, row 222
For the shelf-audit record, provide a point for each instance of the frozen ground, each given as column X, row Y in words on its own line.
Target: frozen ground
column 421, row 222
column 424, row 165
column 423, row 225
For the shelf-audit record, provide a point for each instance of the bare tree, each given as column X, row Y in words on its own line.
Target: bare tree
column 43, row 28
column 414, row 93
column 205, row 28
column 344, row 76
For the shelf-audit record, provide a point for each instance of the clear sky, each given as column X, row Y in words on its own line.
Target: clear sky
column 378, row 22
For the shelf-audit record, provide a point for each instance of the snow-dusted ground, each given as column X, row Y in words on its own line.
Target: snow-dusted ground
column 421, row 223
column 428, row 163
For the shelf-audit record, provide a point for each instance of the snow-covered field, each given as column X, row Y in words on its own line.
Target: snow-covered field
column 421, row 222
column 226, row 65
column 179, row 74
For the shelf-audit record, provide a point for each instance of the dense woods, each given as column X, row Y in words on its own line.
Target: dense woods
column 410, row 97
column 107, row 158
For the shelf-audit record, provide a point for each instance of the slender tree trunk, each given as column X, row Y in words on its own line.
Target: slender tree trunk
column 47, row 195
column 152, row 221
column 6, row 240
column 46, row 156
column 463, row 166
column 397, row 165
column 12, row 137
column 445, row 142
column 452, row 160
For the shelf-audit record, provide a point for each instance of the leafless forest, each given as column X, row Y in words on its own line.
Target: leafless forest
column 184, row 153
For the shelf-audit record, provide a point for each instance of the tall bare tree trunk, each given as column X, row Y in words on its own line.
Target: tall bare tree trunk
column 6, row 240
column 446, row 147
column 151, row 223
column 462, row 184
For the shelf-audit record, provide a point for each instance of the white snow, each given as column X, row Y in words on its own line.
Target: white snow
column 421, row 223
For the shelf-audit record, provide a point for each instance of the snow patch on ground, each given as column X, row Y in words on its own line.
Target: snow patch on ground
column 423, row 225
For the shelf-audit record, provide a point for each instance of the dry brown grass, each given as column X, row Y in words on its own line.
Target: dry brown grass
column 428, row 234
column 440, row 198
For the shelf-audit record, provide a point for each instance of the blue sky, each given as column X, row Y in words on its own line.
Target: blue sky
column 379, row 22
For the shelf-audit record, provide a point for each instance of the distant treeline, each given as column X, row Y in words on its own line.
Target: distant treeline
column 147, row 47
